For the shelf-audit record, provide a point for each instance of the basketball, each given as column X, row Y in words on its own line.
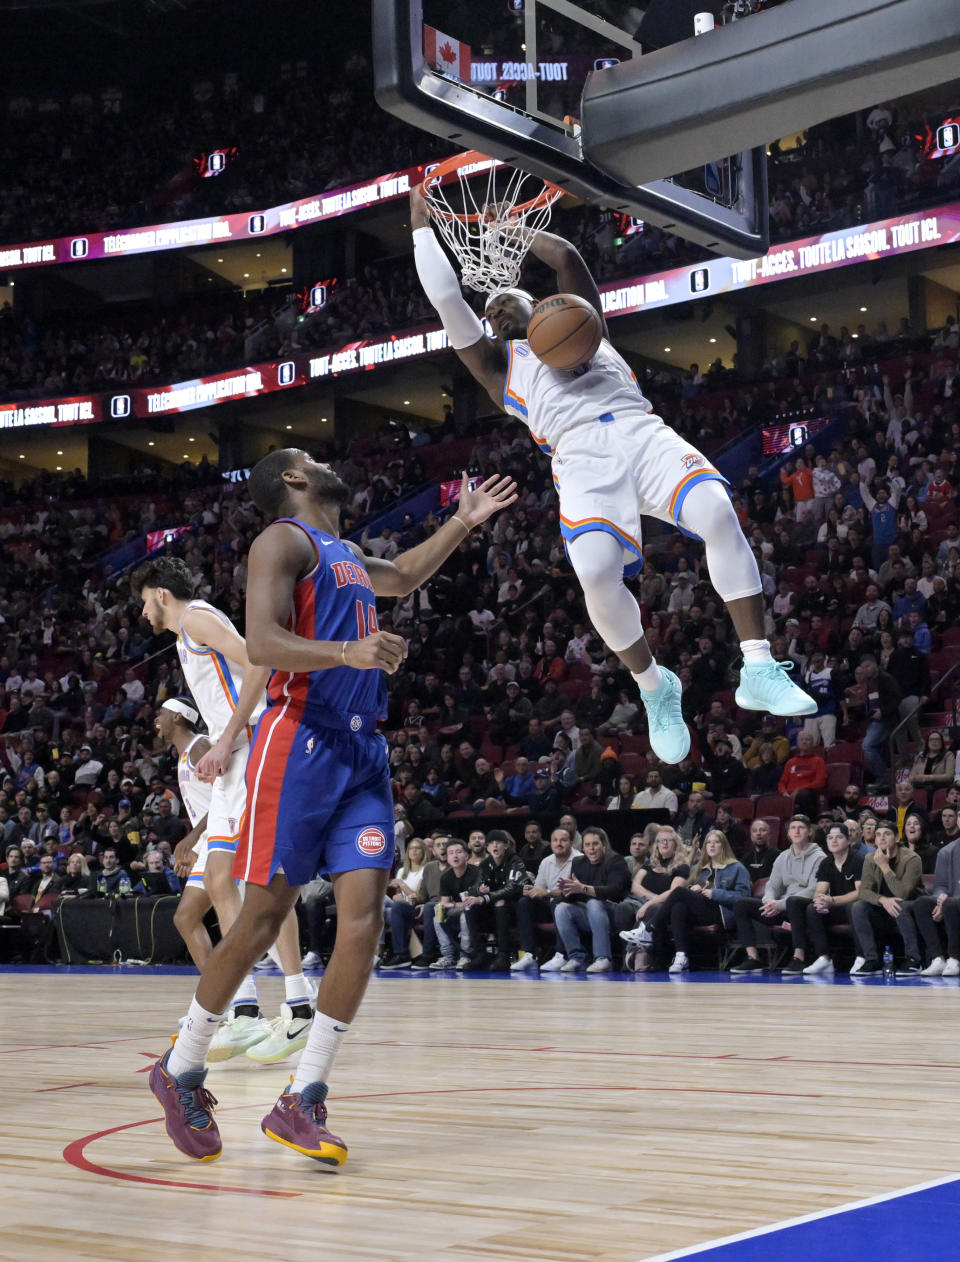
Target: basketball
column 564, row 331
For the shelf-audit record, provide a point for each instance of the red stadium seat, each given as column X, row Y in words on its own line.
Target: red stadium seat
column 633, row 765
column 939, row 799
column 838, row 777
column 844, row 751
column 740, row 808
column 775, row 804
column 634, row 744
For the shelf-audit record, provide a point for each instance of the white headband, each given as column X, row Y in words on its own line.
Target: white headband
column 181, row 707
column 517, row 293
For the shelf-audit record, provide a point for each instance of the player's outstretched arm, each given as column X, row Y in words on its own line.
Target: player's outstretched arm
column 573, row 275
column 278, row 559
column 482, row 357
column 411, row 569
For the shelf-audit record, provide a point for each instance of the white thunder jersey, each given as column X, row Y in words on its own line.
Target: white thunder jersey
column 613, row 459
column 196, row 793
column 214, row 680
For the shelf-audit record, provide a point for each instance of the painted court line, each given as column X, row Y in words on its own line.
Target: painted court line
column 724, row 1250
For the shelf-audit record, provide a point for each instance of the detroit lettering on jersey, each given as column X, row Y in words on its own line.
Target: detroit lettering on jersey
column 553, row 401
column 335, row 601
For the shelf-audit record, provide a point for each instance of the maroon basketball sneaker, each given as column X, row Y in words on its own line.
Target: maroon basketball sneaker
column 298, row 1121
column 188, row 1107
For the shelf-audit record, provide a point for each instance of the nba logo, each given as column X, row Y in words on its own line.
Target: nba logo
column 798, row 435
column 310, row 744
column 256, row 223
column 700, row 280
column 606, row 63
column 120, row 406
column 286, row 372
column 948, row 136
column 318, row 296
column 432, row 166
column 216, row 161
column 79, row 248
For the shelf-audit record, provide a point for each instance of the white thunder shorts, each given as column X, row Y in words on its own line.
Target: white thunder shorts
column 196, row 872
column 228, row 802
column 609, row 473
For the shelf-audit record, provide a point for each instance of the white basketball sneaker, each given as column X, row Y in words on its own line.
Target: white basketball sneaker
column 822, row 964
column 288, row 1034
column 524, row 962
column 935, row 967
column 236, row 1035
column 951, row 968
column 554, row 964
column 600, row 965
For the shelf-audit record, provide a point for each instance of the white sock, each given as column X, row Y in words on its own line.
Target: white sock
column 190, row 1050
column 755, row 652
column 650, row 679
column 297, row 989
column 316, row 1059
column 246, row 992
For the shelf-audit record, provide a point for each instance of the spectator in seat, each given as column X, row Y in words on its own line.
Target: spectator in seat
column 794, row 874
column 765, row 776
column 512, row 716
column 948, row 830
column 656, row 796
column 622, row 800
column 426, row 899
column 534, row 849
column 725, row 775
column 759, row 856
column 941, row 907
column 621, row 718
column 883, row 698
column 905, row 805
column 500, row 879
column 798, row 476
column 920, row 632
column 535, row 905
column 111, row 873
column 599, row 879
column 666, row 867
column 536, row 744
column 892, row 877
column 769, row 734
column 516, row 789
column 935, row 765
column 78, row 882
column 731, row 828
column 586, row 760
column 818, row 681
column 546, row 794
column 910, row 668
column 883, row 517
column 88, row 769
column 402, row 903
column 421, row 810
column 804, row 776
column 693, row 821
column 866, row 617
column 157, row 879
column 638, row 851
column 837, row 889
column 707, row 897
column 455, row 920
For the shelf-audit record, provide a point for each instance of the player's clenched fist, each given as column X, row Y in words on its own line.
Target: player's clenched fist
column 380, row 651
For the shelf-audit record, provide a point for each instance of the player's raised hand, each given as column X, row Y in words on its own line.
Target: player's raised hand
column 489, row 497
column 380, row 651
column 419, row 210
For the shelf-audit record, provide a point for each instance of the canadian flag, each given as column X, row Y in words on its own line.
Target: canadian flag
column 447, row 55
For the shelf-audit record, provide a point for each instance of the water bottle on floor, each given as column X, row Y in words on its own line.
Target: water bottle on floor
column 889, row 974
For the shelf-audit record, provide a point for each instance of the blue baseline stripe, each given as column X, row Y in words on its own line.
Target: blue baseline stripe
column 904, row 1227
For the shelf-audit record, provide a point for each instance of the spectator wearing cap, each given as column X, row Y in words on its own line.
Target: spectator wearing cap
column 804, row 776
column 499, row 884
column 818, row 682
column 546, row 792
column 88, row 769
column 681, row 596
column 793, row 875
column 837, row 889
column 911, row 669
column 511, row 716
column 892, row 877
column 725, row 776
column 160, row 793
column 516, row 789
column 43, row 827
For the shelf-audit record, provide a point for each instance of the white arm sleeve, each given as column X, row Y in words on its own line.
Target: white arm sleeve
column 441, row 286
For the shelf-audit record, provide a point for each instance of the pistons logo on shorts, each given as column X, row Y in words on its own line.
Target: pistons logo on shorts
column 692, row 461
column 371, row 842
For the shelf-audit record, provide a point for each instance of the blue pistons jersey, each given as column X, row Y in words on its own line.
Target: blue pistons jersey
column 335, row 601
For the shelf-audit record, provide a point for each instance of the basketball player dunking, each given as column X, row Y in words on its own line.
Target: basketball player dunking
column 612, row 461
column 317, row 778
column 230, row 695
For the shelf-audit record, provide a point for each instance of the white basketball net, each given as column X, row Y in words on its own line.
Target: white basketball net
column 490, row 247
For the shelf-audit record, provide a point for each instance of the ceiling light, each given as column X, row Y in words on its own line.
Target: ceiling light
column 406, row 403
column 854, row 334
column 323, row 420
column 219, row 260
column 289, row 427
column 813, row 319
column 258, row 254
column 283, row 269
column 712, row 340
column 191, row 440
column 186, row 456
column 151, row 443
column 22, row 456
column 246, row 275
column 863, row 308
column 666, row 350
column 59, row 453
column 59, row 468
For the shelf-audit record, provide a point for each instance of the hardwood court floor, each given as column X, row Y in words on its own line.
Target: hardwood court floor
column 491, row 1119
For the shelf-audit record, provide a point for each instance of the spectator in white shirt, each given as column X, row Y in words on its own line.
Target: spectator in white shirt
column 656, row 796
column 681, row 598
column 133, row 688
column 89, row 769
